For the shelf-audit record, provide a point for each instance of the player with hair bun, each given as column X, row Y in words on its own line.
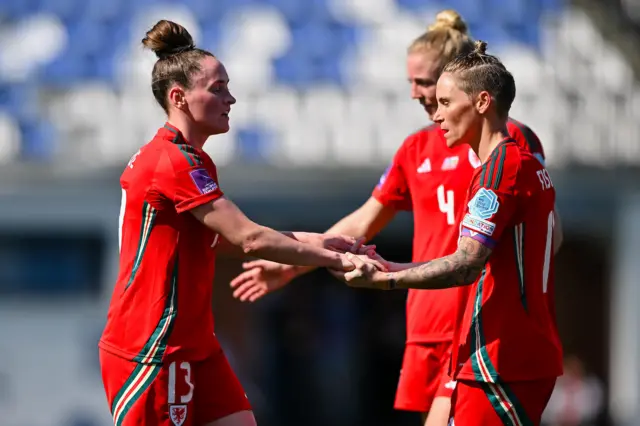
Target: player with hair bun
column 506, row 349
column 160, row 359
column 430, row 179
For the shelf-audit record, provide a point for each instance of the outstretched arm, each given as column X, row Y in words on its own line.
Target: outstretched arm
column 460, row 268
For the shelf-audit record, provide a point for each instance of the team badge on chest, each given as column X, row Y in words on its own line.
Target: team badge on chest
column 178, row 414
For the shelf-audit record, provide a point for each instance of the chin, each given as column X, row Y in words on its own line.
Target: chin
column 453, row 142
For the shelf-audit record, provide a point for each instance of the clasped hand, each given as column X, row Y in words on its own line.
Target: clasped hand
column 363, row 267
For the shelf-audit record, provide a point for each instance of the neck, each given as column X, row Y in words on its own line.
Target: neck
column 190, row 134
column 491, row 134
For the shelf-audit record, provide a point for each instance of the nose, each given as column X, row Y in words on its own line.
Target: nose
column 437, row 117
column 231, row 100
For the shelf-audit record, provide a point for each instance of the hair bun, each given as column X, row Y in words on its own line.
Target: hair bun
column 167, row 38
column 480, row 47
column 449, row 19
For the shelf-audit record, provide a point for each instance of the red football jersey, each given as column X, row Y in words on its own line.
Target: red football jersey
column 506, row 326
column 161, row 303
column 432, row 179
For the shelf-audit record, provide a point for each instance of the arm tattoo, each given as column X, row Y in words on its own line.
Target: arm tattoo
column 457, row 269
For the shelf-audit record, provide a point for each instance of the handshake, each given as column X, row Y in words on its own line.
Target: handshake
column 362, row 267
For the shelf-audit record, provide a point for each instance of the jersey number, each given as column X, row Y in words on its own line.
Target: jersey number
column 184, row 399
column 445, row 202
column 547, row 252
column 123, row 205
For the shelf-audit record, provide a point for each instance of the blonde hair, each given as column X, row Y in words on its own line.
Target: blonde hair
column 448, row 36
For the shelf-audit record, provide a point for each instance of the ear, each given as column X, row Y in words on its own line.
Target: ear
column 483, row 102
column 177, row 97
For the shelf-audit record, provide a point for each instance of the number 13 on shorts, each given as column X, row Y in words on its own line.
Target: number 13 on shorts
column 183, row 373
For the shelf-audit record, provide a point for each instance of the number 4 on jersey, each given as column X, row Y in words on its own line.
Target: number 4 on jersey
column 445, row 202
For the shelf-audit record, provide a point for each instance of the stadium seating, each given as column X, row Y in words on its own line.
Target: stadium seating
column 317, row 81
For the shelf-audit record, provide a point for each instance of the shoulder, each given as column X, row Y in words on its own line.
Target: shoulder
column 183, row 155
column 421, row 139
column 501, row 168
column 526, row 138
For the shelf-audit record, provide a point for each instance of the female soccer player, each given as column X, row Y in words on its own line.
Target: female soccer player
column 161, row 362
column 430, row 179
column 506, row 349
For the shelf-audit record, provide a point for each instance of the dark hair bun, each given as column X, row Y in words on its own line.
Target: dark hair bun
column 167, row 38
column 480, row 47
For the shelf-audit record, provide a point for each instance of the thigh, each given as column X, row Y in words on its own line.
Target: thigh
column 139, row 394
column 219, row 393
column 497, row 404
column 419, row 378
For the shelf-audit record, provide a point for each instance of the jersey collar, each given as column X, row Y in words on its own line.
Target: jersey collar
column 171, row 133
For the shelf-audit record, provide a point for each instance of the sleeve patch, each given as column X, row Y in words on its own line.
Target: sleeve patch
column 383, row 178
column 484, row 204
column 203, row 181
column 479, row 225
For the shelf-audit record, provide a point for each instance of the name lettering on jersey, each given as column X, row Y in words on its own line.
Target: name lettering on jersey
column 450, row 163
column 474, row 160
column 425, row 167
column 545, row 179
column 133, row 158
column 484, row 204
column 203, row 181
column 479, row 225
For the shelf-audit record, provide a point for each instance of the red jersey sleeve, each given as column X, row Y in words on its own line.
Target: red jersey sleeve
column 527, row 139
column 393, row 189
column 187, row 177
column 492, row 197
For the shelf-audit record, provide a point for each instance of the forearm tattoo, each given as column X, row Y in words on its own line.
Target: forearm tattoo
column 458, row 269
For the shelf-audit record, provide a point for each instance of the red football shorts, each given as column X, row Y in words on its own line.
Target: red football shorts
column 492, row 404
column 424, row 376
column 176, row 393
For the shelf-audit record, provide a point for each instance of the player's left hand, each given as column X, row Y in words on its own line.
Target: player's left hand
column 368, row 273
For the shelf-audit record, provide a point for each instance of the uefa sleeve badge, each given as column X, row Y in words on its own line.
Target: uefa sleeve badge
column 484, row 204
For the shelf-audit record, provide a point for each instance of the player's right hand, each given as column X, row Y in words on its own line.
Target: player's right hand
column 259, row 278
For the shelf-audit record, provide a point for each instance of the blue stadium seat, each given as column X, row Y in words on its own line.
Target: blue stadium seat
column 64, row 71
column 551, row 6
column 87, row 36
column 418, row 5
column 293, row 71
column 66, row 10
column 99, row 10
column 252, row 144
column 327, row 71
column 472, row 11
column 13, row 9
column 526, row 34
column 513, row 12
column 313, row 39
column 206, row 11
column 293, row 10
column 21, row 100
column 38, row 140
